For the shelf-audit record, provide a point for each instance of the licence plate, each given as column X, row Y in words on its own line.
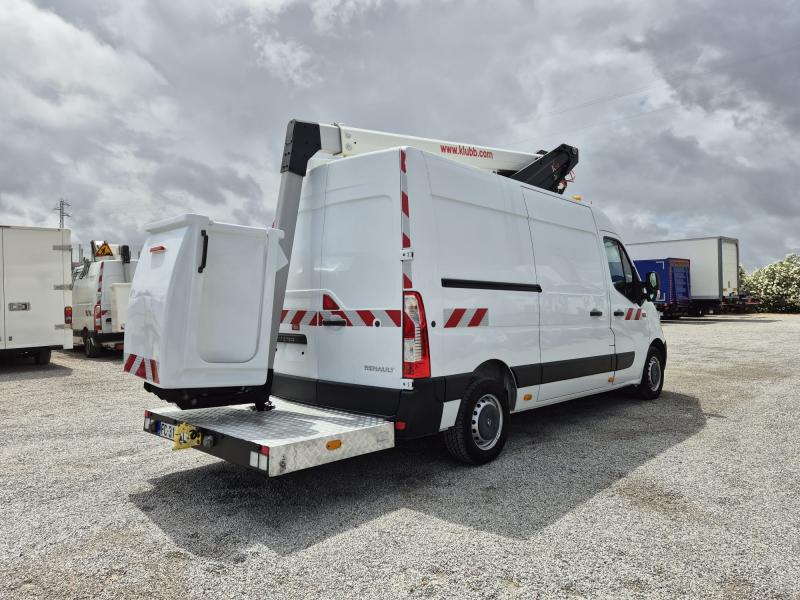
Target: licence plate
column 166, row 430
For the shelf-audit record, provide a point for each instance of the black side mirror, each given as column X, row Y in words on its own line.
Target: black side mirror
column 126, row 254
column 652, row 285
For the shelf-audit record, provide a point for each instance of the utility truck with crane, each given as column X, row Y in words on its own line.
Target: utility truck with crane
column 408, row 287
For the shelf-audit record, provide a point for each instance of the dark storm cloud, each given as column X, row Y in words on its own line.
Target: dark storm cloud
column 686, row 115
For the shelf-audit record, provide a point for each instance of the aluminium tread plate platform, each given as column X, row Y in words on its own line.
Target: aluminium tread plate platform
column 298, row 435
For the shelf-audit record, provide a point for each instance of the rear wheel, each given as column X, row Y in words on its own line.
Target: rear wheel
column 481, row 427
column 43, row 357
column 90, row 346
column 653, row 375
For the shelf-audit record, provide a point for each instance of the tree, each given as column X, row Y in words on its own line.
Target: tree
column 777, row 285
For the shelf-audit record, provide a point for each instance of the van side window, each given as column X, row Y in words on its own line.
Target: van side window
column 623, row 275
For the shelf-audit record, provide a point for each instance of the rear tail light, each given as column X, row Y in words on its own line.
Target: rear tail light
column 98, row 318
column 416, row 354
column 68, row 315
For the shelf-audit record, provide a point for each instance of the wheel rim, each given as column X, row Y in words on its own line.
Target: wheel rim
column 487, row 421
column 654, row 373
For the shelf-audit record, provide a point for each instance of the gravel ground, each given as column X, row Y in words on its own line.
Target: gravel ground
column 694, row 495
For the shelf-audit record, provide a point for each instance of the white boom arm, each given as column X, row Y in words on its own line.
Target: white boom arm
column 341, row 140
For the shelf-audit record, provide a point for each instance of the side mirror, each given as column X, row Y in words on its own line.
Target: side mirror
column 126, row 254
column 652, row 285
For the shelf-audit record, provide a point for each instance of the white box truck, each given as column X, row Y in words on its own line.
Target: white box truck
column 714, row 270
column 35, row 288
column 100, row 296
column 431, row 288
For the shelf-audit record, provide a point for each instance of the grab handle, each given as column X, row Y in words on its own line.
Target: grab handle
column 205, row 251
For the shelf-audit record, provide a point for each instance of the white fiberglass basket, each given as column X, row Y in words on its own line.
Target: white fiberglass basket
column 200, row 308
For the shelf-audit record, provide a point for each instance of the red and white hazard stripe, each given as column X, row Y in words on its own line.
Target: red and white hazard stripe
column 634, row 314
column 405, row 220
column 297, row 318
column 353, row 318
column 146, row 368
column 466, row 317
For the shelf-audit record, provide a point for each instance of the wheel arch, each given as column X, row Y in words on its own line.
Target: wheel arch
column 498, row 370
column 662, row 348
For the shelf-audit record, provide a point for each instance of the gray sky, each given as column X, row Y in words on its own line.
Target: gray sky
column 687, row 114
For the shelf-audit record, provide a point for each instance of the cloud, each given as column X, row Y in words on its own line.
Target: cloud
column 135, row 110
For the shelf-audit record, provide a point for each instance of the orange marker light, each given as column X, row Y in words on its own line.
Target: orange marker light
column 334, row 445
column 528, row 397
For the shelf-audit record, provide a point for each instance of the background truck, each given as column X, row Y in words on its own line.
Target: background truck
column 714, row 274
column 35, row 290
column 100, row 295
column 675, row 292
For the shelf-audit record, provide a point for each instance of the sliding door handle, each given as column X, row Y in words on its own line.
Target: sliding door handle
column 619, row 313
column 596, row 313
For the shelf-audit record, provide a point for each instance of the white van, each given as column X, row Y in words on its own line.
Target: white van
column 100, row 298
column 432, row 294
column 36, row 313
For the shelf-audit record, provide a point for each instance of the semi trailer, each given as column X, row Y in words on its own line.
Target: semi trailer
column 675, row 293
column 408, row 287
column 714, row 272
column 35, row 290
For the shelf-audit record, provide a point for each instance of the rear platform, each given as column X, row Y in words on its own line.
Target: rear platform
column 288, row 438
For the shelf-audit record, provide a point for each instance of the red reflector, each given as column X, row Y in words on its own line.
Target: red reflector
column 265, row 450
column 147, row 414
column 158, row 248
column 329, row 303
column 68, row 315
column 400, row 425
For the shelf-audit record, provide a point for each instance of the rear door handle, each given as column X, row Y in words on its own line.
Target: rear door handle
column 619, row 313
column 337, row 323
column 202, row 266
column 596, row 313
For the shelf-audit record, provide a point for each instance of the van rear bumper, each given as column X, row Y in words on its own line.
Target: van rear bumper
column 420, row 409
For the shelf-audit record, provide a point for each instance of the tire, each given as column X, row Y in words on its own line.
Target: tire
column 43, row 357
column 652, row 375
column 481, row 427
column 90, row 346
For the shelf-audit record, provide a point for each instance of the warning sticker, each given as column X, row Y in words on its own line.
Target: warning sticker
column 104, row 250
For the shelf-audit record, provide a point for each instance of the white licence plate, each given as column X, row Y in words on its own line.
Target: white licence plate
column 166, row 430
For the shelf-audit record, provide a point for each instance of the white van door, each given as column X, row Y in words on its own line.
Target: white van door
column 359, row 333
column 575, row 334
column 628, row 318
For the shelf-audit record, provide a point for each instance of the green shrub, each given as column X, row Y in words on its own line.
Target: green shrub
column 776, row 285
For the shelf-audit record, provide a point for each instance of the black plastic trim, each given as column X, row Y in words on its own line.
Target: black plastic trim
column 292, row 338
column 624, row 360
column 577, row 367
column 527, row 375
column 302, row 142
column 475, row 284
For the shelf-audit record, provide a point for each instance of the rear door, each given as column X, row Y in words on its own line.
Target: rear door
column 575, row 336
column 729, row 256
column 33, row 280
column 359, row 334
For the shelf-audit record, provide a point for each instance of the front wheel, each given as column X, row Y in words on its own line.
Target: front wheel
column 652, row 376
column 481, row 427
